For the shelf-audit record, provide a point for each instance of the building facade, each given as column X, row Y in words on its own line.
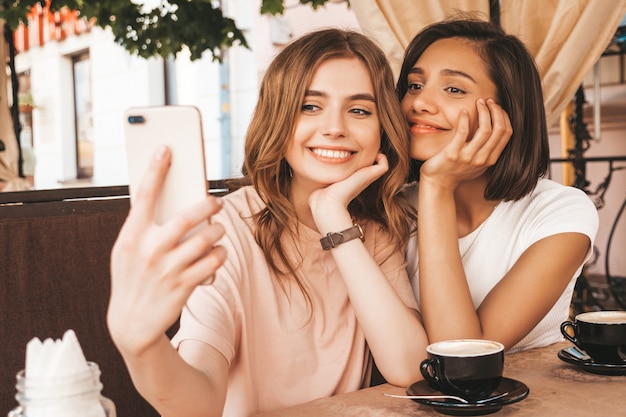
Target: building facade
column 80, row 83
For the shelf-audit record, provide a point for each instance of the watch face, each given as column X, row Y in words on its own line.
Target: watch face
column 361, row 235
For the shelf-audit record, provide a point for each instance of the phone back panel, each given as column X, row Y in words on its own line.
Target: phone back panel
column 179, row 128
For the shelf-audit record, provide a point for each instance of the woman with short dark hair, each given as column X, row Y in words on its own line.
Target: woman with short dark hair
column 498, row 246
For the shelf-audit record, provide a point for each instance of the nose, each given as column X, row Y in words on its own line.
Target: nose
column 422, row 102
column 334, row 124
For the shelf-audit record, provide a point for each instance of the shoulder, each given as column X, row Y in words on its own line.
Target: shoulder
column 554, row 208
column 547, row 186
column 245, row 201
column 555, row 195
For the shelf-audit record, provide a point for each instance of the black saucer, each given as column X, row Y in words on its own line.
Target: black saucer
column 575, row 357
column 514, row 391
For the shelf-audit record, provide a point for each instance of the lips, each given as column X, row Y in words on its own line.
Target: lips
column 423, row 127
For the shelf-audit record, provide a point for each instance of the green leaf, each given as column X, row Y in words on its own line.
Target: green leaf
column 163, row 31
column 273, row 7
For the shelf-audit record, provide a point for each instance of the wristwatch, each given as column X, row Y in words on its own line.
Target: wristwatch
column 332, row 240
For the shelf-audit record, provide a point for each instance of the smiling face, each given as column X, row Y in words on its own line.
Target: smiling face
column 337, row 130
column 447, row 78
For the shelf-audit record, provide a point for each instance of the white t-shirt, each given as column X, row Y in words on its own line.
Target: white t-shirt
column 278, row 355
column 490, row 251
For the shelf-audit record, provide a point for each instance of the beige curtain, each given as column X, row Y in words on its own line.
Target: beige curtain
column 9, row 178
column 393, row 23
column 566, row 36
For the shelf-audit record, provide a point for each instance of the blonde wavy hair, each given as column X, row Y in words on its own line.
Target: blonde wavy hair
column 272, row 127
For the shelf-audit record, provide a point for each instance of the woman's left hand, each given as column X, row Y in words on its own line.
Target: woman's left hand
column 337, row 196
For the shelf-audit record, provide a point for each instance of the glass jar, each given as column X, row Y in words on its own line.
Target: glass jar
column 76, row 395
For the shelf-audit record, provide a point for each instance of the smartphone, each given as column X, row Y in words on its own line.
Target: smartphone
column 180, row 129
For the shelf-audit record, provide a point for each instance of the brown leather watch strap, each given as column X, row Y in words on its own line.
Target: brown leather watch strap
column 332, row 240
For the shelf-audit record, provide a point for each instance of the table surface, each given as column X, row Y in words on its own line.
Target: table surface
column 556, row 389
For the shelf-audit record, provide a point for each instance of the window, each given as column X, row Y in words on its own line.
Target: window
column 81, row 65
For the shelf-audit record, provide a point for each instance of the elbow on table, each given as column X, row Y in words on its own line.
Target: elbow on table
column 402, row 378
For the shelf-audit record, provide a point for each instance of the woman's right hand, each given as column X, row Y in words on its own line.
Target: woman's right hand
column 152, row 272
column 465, row 157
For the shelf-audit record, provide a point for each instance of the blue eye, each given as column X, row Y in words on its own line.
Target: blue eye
column 361, row 112
column 309, row 107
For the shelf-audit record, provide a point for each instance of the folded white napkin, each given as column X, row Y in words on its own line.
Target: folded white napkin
column 61, row 358
column 55, row 358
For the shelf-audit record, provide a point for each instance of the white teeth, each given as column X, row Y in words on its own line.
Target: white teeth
column 327, row 153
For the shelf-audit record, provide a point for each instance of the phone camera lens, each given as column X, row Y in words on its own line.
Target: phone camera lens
column 135, row 119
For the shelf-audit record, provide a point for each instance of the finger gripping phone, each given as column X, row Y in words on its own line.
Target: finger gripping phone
column 180, row 129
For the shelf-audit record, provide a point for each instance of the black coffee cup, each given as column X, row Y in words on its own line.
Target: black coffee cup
column 601, row 334
column 467, row 368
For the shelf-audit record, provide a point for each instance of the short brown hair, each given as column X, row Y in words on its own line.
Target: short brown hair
column 518, row 85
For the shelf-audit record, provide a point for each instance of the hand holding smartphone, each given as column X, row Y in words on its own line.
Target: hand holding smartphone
column 180, row 129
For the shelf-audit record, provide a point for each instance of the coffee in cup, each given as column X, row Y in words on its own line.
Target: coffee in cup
column 601, row 334
column 467, row 368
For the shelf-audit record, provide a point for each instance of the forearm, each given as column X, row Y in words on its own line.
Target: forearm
column 172, row 386
column 393, row 331
column 446, row 303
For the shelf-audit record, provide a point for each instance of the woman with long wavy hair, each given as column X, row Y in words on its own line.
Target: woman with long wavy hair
column 310, row 279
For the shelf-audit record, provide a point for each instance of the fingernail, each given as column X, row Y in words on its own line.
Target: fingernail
column 160, row 152
column 481, row 101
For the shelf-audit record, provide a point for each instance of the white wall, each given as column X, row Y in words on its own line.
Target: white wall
column 118, row 81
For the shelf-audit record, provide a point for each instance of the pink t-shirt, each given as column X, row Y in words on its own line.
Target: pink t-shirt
column 279, row 355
